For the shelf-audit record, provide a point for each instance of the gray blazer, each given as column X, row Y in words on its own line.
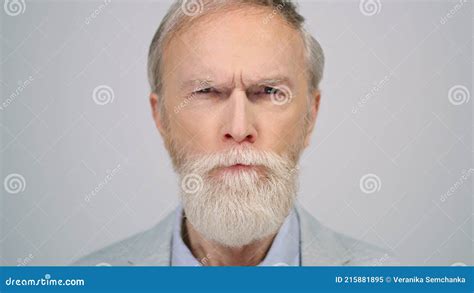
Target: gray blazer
column 320, row 246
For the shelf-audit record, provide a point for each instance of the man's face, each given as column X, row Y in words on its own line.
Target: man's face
column 218, row 80
column 233, row 81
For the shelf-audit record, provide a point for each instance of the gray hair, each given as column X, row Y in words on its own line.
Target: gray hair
column 182, row 12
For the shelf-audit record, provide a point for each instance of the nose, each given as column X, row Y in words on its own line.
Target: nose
column 239, row 122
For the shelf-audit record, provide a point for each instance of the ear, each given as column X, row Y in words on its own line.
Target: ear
column 155, row 106
column 314, row 104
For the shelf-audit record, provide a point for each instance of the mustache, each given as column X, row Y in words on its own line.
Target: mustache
column 202, row 164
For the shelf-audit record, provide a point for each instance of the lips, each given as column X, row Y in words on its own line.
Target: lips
column 235, row 169
column 240, row 167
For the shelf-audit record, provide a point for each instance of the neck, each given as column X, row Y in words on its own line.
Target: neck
column 210, row 253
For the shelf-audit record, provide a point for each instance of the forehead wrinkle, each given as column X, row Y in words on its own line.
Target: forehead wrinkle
column 242, row 78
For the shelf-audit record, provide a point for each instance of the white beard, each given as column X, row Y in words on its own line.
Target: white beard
column 238, row 208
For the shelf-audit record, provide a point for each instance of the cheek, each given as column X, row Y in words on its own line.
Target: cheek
column 282, row 131
column 194, row 130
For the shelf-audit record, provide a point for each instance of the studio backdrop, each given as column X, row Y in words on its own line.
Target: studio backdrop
column 83, row 166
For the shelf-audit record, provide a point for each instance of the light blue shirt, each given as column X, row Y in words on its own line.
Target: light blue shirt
column 285, row 249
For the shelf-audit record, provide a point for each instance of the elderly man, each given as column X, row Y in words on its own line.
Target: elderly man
column 235, row 97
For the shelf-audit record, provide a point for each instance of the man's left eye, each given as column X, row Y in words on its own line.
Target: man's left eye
column 204, row 91
column 268, row 90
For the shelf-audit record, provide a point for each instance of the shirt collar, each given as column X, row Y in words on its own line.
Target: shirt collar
column 284, row 251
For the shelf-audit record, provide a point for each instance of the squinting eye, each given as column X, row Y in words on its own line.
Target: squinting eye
column 270, row 90
column 204, row 91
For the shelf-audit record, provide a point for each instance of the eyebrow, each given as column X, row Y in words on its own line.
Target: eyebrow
column 272, row 81
column 195, row 82
column 259, row 82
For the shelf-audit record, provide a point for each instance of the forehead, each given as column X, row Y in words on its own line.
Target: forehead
column 248, row 43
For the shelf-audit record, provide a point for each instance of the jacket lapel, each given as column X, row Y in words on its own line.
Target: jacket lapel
column 319, row 245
